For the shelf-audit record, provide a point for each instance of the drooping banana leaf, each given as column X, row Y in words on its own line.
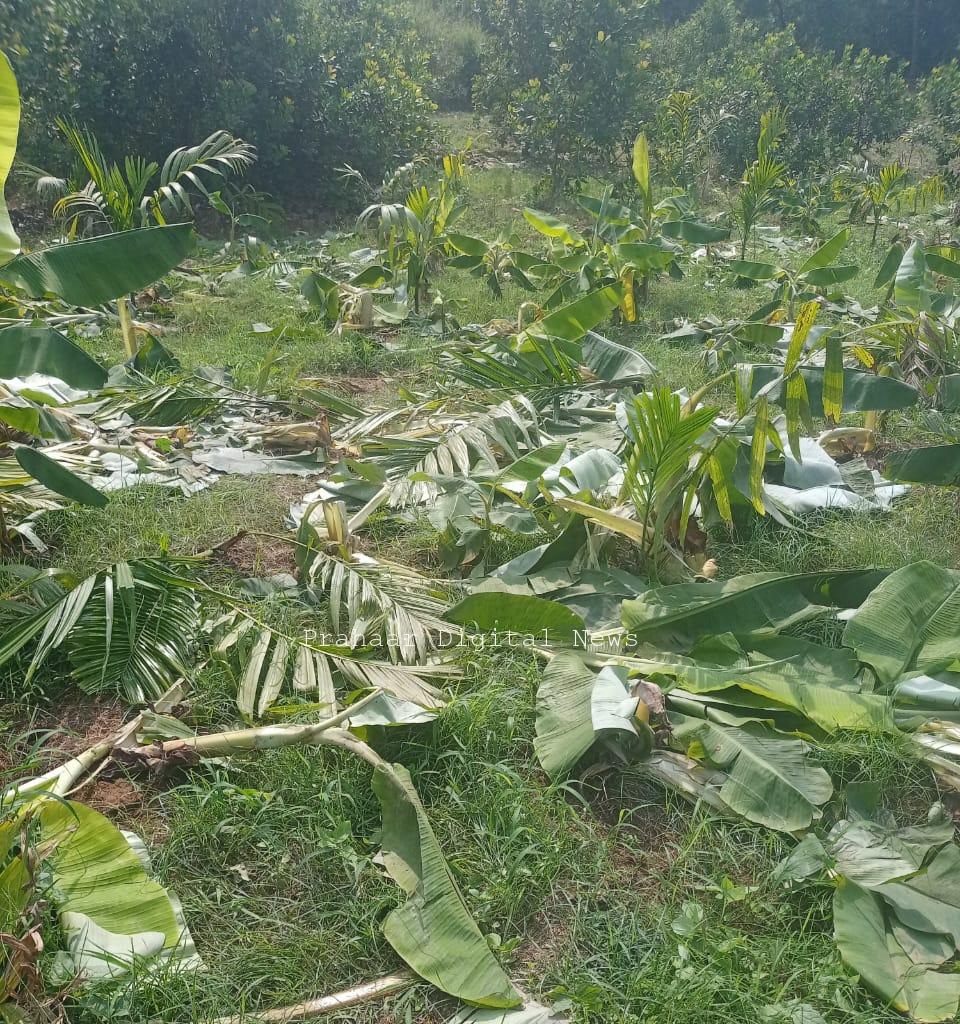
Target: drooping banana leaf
column 770, row 778
column 571, row 322
column 433, row 931
column 579, row 711
column 675, row 617
column 9, row 129
column 25, row 350
column 862, row 391
column 910, row 621
column 96, row 270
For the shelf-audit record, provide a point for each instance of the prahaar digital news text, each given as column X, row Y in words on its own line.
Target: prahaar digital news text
column 580, row 639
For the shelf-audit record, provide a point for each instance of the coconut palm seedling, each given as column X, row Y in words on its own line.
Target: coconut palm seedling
column 757, row 193
column 413, row 234
column 134, row 193
column 875, row 195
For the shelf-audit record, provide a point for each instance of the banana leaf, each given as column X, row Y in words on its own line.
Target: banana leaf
column 770, row 779
column 96, row 270
column 862, row 391
column 58, row 478
column 9, row 129
column 433, row 931
column 675, row 617
column 580, row 711
column 25, row 349
column 910, row 622
column 525, row 615
column 110, row 911
column 935, row 464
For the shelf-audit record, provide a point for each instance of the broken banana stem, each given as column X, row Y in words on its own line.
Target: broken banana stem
column 77, row 772
column 366, row 993
column 268, row 737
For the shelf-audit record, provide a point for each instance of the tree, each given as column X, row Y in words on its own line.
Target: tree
column 564, row 78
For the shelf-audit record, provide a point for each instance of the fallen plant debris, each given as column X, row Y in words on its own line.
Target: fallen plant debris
column 572, row 497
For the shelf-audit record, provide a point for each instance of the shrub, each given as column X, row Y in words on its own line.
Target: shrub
column 941, row 96
column 454, row 40
column 313, row 86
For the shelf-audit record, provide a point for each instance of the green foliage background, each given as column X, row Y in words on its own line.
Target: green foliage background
column 317, row 85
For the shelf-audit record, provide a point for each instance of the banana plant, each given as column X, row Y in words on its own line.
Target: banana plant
column 120, row 197
column 817, row 273
column 93, row 271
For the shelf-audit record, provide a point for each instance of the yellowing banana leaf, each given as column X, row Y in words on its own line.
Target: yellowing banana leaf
column 96, row 270
column 433, row 931
column 110, row 911
column 770, row 779
column 911, row 621
column 579, row 711
column 550, row 226
column 9, row 129
column 25, row 350
column 862, row 391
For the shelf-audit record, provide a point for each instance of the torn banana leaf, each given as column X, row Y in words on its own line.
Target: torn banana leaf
column 675, row 617
column 579, row 711
column 770, row 778
column 911, row 621
column 433, row 931
column 896, row 907
column 110, row 911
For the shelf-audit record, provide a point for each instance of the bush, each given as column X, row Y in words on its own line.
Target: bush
column 941, row 97
column 563, row 78
column 313, row 86
column 834, row 104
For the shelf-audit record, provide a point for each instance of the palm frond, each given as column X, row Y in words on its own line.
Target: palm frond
column 129, row 629
column 454, row 446
column 219, row 155
column 370, row 601
column 665, row 458
column 269, row 661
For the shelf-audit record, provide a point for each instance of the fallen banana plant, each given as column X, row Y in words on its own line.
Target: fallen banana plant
column 432, row 931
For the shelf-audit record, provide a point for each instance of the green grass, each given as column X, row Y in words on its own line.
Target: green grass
column 625, row 905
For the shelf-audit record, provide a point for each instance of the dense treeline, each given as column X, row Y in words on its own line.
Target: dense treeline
column 923, row 33
column 319, row 85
